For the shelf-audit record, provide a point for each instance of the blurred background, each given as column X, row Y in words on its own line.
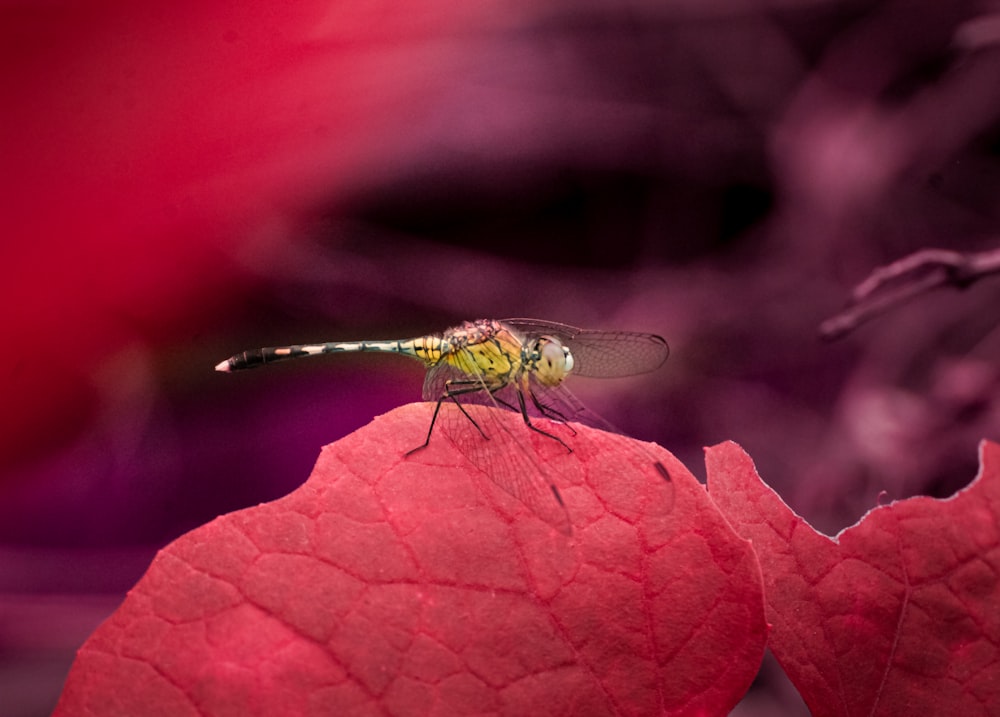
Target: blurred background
column 185, row 182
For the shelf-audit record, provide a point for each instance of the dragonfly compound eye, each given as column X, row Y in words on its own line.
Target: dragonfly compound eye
column 553, row 361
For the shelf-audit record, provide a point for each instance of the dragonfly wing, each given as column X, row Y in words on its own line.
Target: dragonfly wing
column 495, row 444
column 444, row 379
column 601, row 354
column 559, row 403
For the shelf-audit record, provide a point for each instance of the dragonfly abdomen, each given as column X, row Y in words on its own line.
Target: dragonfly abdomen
column 426, row 348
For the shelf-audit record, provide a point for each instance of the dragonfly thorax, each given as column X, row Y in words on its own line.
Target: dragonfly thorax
column 548, row 359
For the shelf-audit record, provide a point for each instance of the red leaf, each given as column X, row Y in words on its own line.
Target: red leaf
column 897, row 615
column 398, row 585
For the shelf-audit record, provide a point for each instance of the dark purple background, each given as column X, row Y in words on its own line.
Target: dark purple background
column 187, row 183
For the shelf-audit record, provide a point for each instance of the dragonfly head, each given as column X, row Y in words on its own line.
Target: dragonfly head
column 550, row 360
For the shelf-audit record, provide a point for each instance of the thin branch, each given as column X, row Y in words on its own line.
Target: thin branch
column 906, row 278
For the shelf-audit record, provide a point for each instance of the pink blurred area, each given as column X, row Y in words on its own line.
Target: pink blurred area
column 185, row 182
column 141, row 143
column 141, row 146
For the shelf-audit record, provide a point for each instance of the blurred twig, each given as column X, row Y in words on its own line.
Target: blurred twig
column 910, row 276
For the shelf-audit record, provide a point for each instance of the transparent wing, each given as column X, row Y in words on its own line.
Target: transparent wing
column 558, row 403
column 507, row 455
column 554, row 403
column 601, row 354
column 436, row 384
column 499, row 448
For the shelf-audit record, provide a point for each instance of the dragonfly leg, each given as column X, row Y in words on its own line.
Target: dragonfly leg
column 532, row 426
column 549, row 412
column 451, row 393
column 437, row 407
column 509, row 406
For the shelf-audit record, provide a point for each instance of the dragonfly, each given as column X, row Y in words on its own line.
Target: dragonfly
column 517, row 365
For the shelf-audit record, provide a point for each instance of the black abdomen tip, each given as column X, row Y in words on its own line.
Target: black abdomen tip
column 246, row 359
